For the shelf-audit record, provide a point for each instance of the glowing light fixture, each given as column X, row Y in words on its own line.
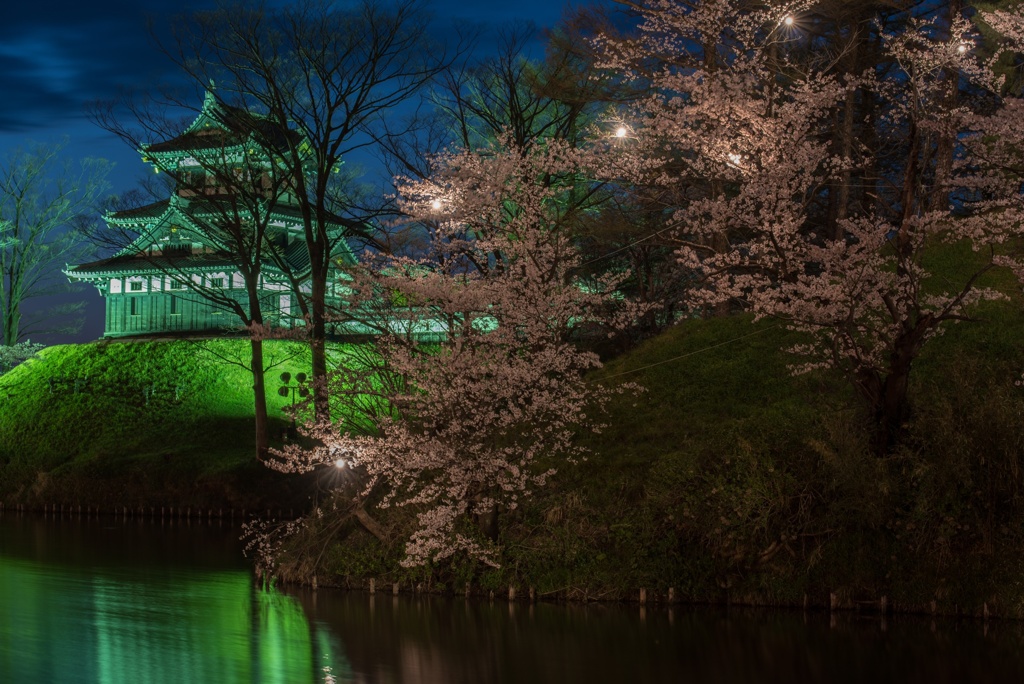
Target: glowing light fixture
column 340, row 463
column 621, row 132
column 436, row 205
column 788, row 21
column 961, row 48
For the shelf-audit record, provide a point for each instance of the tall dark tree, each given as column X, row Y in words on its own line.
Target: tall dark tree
column 44, row 198
column 327, row 71
column 220, row 177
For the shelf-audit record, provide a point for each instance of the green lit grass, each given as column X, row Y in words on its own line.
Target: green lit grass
column 143, row 422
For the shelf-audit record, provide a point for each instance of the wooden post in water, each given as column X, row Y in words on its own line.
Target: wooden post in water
column 643, row 595
column 373, row 586
column 511, row 593
column 394, row 589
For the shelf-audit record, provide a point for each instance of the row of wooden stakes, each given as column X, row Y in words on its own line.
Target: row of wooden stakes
column 150, row 512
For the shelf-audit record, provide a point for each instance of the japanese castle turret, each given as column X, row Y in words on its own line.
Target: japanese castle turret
column 181, row 275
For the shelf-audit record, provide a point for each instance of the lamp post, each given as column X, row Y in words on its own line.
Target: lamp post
column 301, row 389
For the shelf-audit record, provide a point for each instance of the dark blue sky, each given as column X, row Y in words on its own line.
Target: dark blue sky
column 57, row 57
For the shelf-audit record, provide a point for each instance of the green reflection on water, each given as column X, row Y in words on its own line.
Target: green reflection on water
column 111, row 625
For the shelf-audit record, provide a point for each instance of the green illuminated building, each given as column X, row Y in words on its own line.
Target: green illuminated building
column 177, row 277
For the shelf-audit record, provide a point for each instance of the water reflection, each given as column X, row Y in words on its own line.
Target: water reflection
column 141, row 604
column 113, row 602
column 433, row 640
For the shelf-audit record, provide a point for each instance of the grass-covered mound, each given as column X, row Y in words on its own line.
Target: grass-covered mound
column 140, row 423
column 728, row 478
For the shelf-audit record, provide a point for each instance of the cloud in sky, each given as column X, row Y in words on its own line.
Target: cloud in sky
column 58, row 57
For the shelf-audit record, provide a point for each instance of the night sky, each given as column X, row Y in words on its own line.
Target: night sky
column 57, row 57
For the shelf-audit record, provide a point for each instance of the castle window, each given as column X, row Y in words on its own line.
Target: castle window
column 135, row 286
column 175, row 285
column 193, row 179
column 216, row 282
column 178, row 249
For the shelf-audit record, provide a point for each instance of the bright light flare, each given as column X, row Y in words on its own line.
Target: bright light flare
column 788, row 21
column 621, row 132
column 961, row 48
column 436, row 205
column 340, row 464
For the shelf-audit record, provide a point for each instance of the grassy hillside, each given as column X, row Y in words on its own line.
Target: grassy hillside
column 730, row 478
column 727, row 478
column 137, row 423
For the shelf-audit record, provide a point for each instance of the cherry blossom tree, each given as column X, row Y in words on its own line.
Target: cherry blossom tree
column 475, row 390
column 740, row 134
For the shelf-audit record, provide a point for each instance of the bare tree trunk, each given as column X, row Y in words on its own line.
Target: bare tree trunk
column 367, row 521
column 938, row 199
column 894, row 408
column 259, row 386
column 846, row 137
column 318, row 343
column 12, row 319
column 259, row 391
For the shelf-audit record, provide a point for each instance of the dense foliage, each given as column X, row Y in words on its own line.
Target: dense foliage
column 815, row 192
column 834, row 192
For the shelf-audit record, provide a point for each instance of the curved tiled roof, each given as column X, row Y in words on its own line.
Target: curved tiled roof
column 154, row 264
column 154, row 210
column 234, row 126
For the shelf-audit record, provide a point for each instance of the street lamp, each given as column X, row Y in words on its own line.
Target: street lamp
column 301, row 389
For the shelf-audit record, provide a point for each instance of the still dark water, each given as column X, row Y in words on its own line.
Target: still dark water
column 117, row 602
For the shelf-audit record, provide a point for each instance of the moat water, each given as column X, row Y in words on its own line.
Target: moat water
column 112, row 601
